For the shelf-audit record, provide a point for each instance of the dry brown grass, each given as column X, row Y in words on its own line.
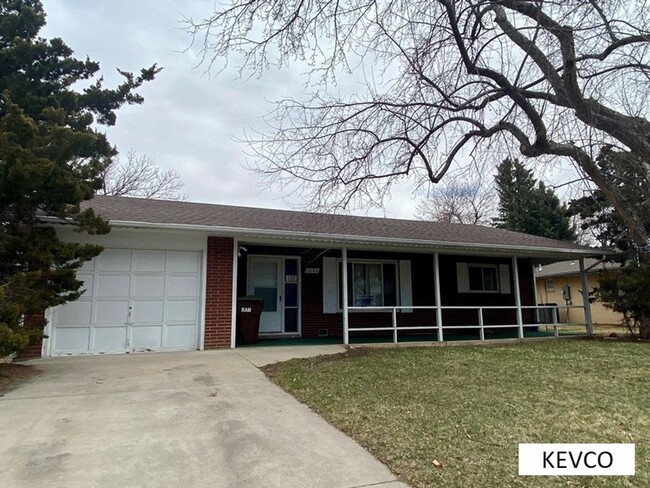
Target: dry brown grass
column 453, row 416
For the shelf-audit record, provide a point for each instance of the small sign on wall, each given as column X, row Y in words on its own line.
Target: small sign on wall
column 312, row 270
column 291, row 279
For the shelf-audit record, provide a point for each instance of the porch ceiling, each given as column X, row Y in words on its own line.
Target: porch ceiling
column 539, row 255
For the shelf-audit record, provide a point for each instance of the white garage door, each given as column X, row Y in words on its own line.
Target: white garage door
column 135, row 300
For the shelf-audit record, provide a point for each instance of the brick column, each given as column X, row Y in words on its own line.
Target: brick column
column 34, row 349
column 218, row 300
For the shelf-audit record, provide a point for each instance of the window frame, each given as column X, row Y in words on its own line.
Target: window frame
column 551, row 282
column 497, row 272
column 381, row 262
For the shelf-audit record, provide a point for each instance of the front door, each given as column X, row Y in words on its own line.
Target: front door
column 265, row 281
column 276, row 280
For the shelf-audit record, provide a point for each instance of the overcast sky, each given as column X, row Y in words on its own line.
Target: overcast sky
column 189, row 121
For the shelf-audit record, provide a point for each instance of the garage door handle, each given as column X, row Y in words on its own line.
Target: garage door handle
column 129, row 317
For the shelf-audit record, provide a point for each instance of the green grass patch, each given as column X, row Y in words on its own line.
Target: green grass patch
column 453, row 416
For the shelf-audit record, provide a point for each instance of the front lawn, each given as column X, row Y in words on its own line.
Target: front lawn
column 453, row 416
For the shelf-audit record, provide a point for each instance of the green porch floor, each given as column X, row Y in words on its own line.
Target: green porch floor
column 449, row 336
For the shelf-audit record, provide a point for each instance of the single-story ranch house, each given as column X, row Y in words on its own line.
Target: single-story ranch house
column 171, row 272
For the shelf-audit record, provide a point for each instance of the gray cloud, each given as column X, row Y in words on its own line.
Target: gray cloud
column 189, row 121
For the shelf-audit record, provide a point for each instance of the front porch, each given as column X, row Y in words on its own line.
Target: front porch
column 372, row 295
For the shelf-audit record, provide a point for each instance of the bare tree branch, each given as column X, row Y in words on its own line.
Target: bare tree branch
column 141, row 177
column 464, row 199
column 444, row 79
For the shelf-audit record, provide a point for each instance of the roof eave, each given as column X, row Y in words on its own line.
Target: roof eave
column 343, row 239
column 350, row 239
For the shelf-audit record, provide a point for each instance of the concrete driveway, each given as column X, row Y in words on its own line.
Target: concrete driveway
column 195, row 419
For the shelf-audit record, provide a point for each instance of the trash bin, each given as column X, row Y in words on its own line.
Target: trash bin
column 249, row 310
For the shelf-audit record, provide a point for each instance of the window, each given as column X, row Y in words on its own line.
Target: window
column 483, row 278
column 550, row 285
column 370, row 284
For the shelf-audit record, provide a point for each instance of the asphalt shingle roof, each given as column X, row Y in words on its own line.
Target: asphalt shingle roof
column 201, row 214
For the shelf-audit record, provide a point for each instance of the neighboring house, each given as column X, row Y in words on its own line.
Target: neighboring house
column 560, row 283
column 171, row 272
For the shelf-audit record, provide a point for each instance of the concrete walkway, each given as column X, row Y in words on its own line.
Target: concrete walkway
column 196, row 419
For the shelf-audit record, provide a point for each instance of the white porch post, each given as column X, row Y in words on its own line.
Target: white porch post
column 515, row 277
column 344, row 278
column 585, row 297
column 436, row 277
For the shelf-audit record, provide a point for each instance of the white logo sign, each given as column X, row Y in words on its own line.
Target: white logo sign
column 576, row 459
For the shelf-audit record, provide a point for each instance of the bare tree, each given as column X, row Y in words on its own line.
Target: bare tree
column 552, row 78
column 141, row 177
column 459, row 201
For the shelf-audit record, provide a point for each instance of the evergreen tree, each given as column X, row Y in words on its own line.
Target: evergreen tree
column 600, row 217
column 51, row 160
column 628, row 290
column 526, row 205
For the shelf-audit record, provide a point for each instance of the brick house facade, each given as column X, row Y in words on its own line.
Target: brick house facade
column 167, row 276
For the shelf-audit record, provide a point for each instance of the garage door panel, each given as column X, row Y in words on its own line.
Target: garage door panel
column 72, row 339
column 133, row 300
column 109, row 339
column 88, row 283
column 183, row 262
column 149, row 261
column 113, row 285
column 181, row 310
column 88, row 265
column 182, row 286
column 148, row 311
column 148, row 286
column 181, row 336
column 114, row 260
column 74, row 313
column 111, row 312
column 146, row 336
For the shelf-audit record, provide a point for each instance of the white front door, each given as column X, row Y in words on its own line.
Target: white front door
column 265, row 281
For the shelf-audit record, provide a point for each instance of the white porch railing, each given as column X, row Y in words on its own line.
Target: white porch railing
column 440, row 327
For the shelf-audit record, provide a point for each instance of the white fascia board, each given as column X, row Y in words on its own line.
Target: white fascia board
column 346, row 240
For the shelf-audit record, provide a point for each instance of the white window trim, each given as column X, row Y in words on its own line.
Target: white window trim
column 339, row 263
column 500, row 270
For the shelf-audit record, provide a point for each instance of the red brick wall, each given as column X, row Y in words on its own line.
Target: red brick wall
column 313, row 317
column 422, row 278
column 34, row 349
column 450, row 295
column 218, row 301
